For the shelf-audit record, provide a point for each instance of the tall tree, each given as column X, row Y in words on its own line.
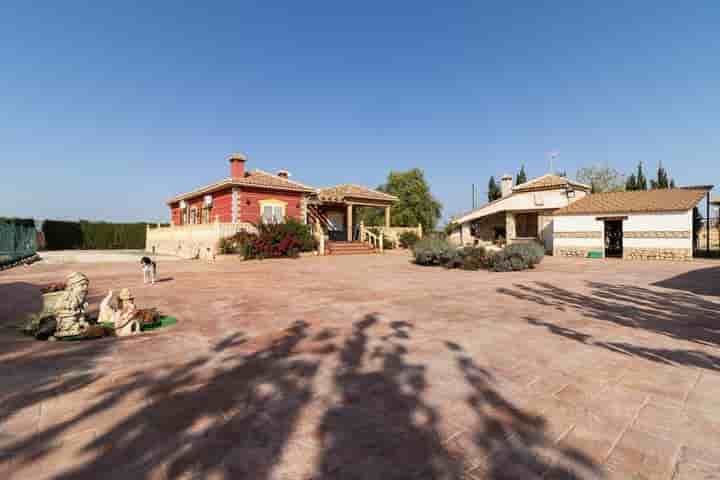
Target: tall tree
column 641, row 181
column 662, row 179
column 493, row 190
column 521, row 176
column 601, row 179
column 631, row 183
column 416, row 205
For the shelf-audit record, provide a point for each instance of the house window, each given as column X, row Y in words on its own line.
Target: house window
column 193, row 216
column 206, row 215
column 272, row 211
column 526, row 225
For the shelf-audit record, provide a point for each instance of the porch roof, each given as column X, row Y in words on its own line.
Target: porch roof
column 349, row 193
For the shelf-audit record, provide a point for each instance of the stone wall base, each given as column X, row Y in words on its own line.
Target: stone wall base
column 573, row 251
column 678, row 254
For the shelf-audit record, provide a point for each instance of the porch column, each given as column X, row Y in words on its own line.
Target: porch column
column 349, row 220
column 387, row 216
column 509, row 227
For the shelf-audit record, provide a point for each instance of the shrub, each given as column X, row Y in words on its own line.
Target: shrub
column 279, row 240
column 516, row 257
column 408, row 239
column 466, row 258
column 60, row 235
column 235, row 243
column 433, row 251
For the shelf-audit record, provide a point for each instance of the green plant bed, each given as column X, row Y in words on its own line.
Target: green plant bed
column 165, row 321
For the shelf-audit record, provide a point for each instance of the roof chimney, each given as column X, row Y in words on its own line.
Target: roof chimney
column 237, row 165
column 506, row 185
column 283, row 173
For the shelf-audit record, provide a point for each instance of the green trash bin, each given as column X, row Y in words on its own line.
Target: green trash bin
column 595, row 255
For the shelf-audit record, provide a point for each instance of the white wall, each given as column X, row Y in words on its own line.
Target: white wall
column 525, row 201
column 645, row 222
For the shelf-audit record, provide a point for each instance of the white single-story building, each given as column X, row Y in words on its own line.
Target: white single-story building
column 643, row 224
column 523, row 213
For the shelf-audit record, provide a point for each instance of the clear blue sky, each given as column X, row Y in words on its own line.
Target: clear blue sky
column 107, row 111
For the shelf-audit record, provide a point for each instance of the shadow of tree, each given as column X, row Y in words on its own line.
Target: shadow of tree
column 678, row 315
column 381, row 427
column 233, row 414
column 686, row 357
column 514, row 443
column 703, row 281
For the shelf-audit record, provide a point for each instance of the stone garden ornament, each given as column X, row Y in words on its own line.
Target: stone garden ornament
column 122, row 319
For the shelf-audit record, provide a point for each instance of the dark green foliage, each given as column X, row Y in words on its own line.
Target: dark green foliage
column 521, row 176
column 493, row 190
column 61, row 235
column 468, row 258
column 516, row 257
column 663, row 181
column 286, row 239
column 408, row 239
column 433, row 250
column 637, row 181
column 26, row 222
column 236, row 243
column 416, row 204
column 631, row 183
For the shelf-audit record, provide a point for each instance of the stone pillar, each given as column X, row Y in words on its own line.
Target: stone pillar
column 387, row 217
column 381, row 242
column 420, row 231
column 509, row 227
column 362, row 231
column 349, row 220
column 465, row 234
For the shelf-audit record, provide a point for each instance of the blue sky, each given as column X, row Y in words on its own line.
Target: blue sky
column 107, row 111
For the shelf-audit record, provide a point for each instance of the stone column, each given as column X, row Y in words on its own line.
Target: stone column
column 349, row 220
column 509, row 227
column 387, row 217
column 362, row 231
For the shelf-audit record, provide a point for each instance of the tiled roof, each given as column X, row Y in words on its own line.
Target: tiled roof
column 339, row 193
column 637, row 201
column 256, row 178
column 549, row 181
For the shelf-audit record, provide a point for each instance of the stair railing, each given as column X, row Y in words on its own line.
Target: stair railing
column 376, row 241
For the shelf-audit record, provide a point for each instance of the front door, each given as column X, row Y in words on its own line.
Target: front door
column 613, row 238
column 336, row 227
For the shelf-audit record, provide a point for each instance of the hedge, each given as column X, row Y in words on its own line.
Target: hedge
column 86, row 235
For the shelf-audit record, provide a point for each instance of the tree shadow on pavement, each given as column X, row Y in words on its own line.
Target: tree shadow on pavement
column 380, row 428
column 234, row 413
column 703, row 281
column 668, row 356
column 678, row 315
column 515, row 444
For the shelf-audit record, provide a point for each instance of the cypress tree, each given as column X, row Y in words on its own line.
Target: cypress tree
column 640, row 180
column 493, row 190
column 631, row 183
column 521, row 176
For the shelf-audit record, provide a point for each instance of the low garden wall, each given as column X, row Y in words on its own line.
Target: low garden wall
column 191, row 241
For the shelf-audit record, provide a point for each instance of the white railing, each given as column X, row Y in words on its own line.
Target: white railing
column 376, row 241
column 393, row 233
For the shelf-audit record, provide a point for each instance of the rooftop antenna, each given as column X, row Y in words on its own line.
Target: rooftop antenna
column 552, row 155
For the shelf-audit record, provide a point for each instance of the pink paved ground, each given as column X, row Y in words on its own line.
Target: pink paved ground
column 369, row 367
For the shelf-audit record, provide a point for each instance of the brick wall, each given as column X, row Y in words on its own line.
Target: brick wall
column 250, row 206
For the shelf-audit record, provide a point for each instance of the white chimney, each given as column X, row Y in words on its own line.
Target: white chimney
column 506, row 185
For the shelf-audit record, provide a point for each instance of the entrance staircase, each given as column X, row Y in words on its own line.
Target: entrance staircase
column 349, row 248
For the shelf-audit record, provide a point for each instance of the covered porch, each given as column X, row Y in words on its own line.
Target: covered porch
column 509, row 226
column 334, row 216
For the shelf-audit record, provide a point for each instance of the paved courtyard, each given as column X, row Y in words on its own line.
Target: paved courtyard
column 369, row 367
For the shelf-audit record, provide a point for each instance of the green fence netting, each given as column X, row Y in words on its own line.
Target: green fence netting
column 18, row 240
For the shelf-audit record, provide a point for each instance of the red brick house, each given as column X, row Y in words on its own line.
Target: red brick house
column 246, row 198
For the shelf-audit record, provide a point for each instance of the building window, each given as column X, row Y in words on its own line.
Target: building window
column 193, row 216
column 526, row 225
column 272, row 211
column 206, row 215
